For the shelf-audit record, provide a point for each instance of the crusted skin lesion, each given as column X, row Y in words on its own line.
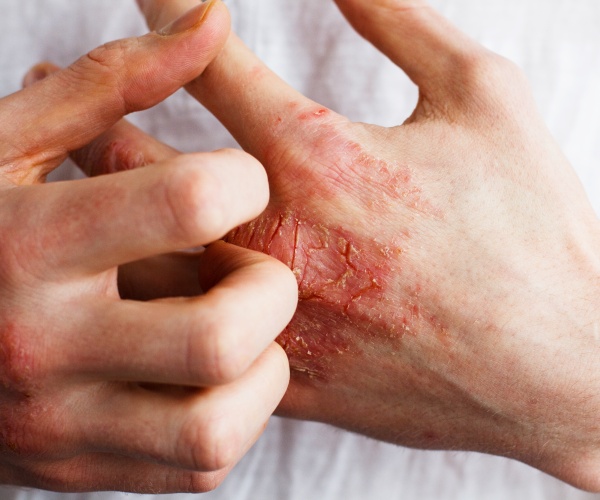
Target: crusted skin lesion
column 338, row 284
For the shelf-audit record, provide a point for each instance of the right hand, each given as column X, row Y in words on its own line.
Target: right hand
column 87, row 380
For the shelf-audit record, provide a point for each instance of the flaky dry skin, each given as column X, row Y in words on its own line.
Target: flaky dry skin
column 345, row 269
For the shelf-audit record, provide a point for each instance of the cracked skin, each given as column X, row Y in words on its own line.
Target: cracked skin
column 344, row 273
column 338, row 285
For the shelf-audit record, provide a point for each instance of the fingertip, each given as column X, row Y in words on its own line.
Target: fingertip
column 193, row 19
column 283, row 361
column 38, row 73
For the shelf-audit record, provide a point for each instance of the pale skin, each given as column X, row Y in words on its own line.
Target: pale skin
column 448, row 267
column 102, row 393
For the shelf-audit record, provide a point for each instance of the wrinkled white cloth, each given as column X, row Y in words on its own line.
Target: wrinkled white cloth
column 556, row 42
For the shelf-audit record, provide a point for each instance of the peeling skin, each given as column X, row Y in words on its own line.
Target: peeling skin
column 332, row 165
column 355, row 287
column 338, row 284
column 317, row 113
column 388, row 182
column 342, row 283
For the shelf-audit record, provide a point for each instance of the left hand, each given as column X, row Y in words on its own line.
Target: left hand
column 448, row 267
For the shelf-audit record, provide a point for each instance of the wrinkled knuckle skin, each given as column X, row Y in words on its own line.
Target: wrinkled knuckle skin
column 113, row 56
column 108, row 157
column 194, row 201
column 280, row 361
column 9, row 269
column 205, row 445
column 103, row 68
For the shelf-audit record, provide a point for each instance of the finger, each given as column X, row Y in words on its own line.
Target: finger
column 207, row 430
column 211, row 339
column 162, row 12
column 39, row 72
column 88, row 226
column 122, row 147
column 106, row 472
column 172, row 275
column 416, row 37
column 244, row 94
column 69, row 108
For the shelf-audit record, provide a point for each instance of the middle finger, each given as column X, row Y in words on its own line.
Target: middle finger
column 207, row 340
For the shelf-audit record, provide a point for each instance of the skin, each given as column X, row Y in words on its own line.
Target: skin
column 448, row 294
column 102, row 393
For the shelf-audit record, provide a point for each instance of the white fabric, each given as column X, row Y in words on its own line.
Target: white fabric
column 557, row 43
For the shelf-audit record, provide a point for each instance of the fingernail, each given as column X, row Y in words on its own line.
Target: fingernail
column 192, row 19
column 36, row 74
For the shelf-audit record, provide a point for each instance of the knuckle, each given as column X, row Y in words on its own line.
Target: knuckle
column 53, row 478
column 222, row 362
column 103, row 68
column 491, row 78
column 206, row 444
column 107, row 157
column 195, row 482
column 194, row 199
column 286, row 279
column 9, row 259
column 25, row 433
column 477, row 67
column 111, row 56
column 20, row 364
column 281, row 364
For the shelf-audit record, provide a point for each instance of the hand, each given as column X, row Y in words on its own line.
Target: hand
column 87, row 380
column 448, row 267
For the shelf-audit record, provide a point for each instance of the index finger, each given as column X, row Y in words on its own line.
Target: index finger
column 243, row 93
column 71, row 107
column 88, row 226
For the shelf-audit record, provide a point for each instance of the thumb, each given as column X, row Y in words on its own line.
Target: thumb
column 69, row 108
column 38, row 73
column 430, row 50
column 161, row 12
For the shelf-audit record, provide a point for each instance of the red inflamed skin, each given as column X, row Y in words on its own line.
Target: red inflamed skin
column 325, row 224
column 448, row 267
